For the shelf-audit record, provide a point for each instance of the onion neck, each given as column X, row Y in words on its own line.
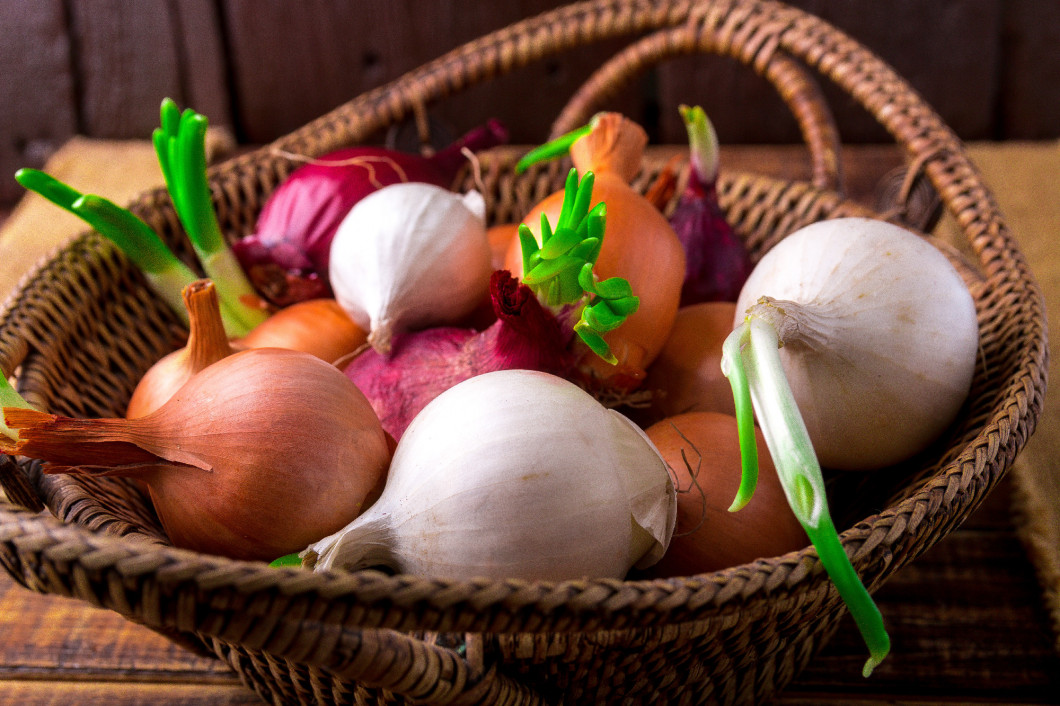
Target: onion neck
column 794, row 323
column 364, row 543
column 525, row 334
column 702, row 144
column 751, row 360
column 207, row 340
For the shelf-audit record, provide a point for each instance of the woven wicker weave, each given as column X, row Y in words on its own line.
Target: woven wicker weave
column 80, row 332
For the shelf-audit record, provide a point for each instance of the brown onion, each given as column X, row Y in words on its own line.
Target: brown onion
column 687, row 376
column 316, row 326
column 709, row 537
column 255, row 457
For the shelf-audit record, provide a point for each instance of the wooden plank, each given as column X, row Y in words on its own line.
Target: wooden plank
column 125, row 693
column 294, row 62
column 1029, row 103
column 37, row 94
column 929, row 44
column 58, row 638
column 133, row 53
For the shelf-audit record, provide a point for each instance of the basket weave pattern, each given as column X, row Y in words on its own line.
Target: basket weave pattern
column 82, row 330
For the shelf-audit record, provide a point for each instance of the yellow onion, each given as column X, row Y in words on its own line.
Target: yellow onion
column 317, row 326
column 254, row 457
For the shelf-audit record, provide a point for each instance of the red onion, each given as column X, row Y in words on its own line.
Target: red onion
column 287, row 257
column 716, row 261
column 423, row 364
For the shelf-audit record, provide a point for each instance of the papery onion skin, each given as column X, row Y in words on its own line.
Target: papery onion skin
column 254, row 457
column 708, row 537
column 514, row 474
column 887, row 338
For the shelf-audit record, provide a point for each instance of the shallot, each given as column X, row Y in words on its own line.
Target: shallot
column 717, row 262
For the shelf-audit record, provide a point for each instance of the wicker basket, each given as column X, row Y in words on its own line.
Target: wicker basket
column 83, row 328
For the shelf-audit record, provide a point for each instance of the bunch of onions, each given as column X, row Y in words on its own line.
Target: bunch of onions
column 559, row 301
column 256, row 456
column 289, row 252
column 513, row 474
column 641, row 246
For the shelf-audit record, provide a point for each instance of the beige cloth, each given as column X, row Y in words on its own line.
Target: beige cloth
column 1025, row 180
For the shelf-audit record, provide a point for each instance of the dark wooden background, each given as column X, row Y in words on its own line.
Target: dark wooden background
column 263, row 67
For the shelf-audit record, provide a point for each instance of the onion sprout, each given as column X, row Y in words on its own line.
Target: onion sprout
column 180, row 144
column 164, row 271
column 560, row 270
column 553, row 149
column 751, row 360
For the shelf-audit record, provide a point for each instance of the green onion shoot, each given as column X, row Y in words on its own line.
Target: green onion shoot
column 751, row 360
column 560, row 269
column 180, row 144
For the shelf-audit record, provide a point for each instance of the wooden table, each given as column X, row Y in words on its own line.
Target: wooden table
column 966, row 619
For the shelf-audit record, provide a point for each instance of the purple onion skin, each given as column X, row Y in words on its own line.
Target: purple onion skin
column 287, row 257
column 423, row 364
column 717, row 262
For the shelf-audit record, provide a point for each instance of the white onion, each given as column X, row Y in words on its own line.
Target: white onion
column 879, row 337
column 857, row 349
column 514, row 474
column 410, row 255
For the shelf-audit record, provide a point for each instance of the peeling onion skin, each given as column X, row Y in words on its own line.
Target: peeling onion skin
column 879, row 337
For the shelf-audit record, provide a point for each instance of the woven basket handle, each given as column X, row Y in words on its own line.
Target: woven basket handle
column 795, row 84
